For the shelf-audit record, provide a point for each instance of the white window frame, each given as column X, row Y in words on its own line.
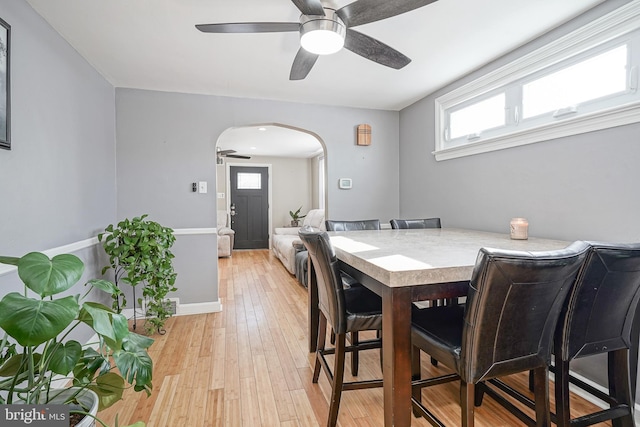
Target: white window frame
column 616, row 24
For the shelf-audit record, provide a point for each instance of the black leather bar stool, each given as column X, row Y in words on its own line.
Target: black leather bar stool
column 412, row 224
column 514, row 302
column 409, row 224
column 600, row 316
column 415, row 223
column 348, row 281
column 346, row 310
column 359, row 225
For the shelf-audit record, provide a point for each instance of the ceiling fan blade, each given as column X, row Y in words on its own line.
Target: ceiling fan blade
column 309, row 7
column 237, row 156
column 364, row 11
column 302, row 64
column 374, row 50
column 250, row 27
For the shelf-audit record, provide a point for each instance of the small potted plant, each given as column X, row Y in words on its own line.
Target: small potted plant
column 296, row 217
column 36, row 354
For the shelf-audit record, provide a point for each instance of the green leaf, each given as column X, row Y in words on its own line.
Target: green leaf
column 120, row 326
column 100, row 319
column 135, row 366
column 9, row 260
column 89, row 364
column 135, row 342
column 104, row 285
column 16, row 365
column 46, row 276
column 32, row 322
column 109, row 388
column 65, row 357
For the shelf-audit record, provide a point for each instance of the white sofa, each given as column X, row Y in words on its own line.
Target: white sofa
column 225, row 235
column 285, row 242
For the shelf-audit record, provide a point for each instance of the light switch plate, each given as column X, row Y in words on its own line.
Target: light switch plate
column 202, row 187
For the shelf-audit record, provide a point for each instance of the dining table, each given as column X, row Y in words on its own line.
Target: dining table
column 405, row 266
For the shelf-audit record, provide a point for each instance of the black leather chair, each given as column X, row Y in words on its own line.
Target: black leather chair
column 348, row 281
column 600, row 316
column 346, row 310
column 507, row 325
column 367, row 224
column 415, row 223
column 406, row 224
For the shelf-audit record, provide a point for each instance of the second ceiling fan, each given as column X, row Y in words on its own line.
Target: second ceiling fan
column 324, row 30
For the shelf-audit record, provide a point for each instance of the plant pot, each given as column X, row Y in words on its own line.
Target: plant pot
column 86, row 397
column 294, row 223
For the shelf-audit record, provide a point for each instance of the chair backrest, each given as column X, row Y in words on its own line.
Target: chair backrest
column 330, row 291
column 514, row 302
column 314, row 218
column 367, row 224
column 602, row 306
column 415, row 223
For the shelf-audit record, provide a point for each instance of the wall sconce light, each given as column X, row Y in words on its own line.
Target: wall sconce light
column 363, row 134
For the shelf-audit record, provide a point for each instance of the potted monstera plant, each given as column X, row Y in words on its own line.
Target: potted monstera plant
column 40, row 364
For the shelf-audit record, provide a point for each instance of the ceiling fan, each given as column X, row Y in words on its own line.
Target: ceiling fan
column 227, row 153
column 324, row 30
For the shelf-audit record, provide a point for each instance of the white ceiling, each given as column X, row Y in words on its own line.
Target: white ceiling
column 153, row 44
column 269, row 140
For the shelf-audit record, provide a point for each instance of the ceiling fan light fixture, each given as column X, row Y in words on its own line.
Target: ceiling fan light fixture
column 322, row 35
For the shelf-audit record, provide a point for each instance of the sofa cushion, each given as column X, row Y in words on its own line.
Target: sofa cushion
column 285, row 242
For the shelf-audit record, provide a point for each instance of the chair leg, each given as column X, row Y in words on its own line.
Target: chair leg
column 338, row 377
column 479, row 394
column 531, row 380
column 541, row 393
column 322, row 337
column 332, row 339
column 379, row 336
column 416, row 374
column 563, row 413
column 467, row 397
column 355, row 357
column 620, row 385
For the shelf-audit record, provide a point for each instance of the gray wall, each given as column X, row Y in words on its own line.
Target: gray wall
column 166, row 141
column 580, row 187
column 57, row 184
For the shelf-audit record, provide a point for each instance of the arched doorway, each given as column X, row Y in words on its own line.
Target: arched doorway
column 293, row 159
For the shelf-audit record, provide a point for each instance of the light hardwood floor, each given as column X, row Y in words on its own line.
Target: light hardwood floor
column 249, row 365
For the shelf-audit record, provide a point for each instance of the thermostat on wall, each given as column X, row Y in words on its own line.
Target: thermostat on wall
column 344, row 183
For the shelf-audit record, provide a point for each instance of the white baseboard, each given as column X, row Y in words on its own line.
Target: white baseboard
column 199, row 308
column 183, row 309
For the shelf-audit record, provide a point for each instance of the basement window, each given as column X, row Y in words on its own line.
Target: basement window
column 584, row 81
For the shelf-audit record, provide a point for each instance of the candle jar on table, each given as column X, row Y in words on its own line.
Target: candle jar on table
column 519, row 229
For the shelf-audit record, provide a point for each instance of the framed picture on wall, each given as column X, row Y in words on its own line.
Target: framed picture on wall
column 5, row 99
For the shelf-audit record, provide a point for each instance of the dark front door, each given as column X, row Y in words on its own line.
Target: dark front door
column 249, row 206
